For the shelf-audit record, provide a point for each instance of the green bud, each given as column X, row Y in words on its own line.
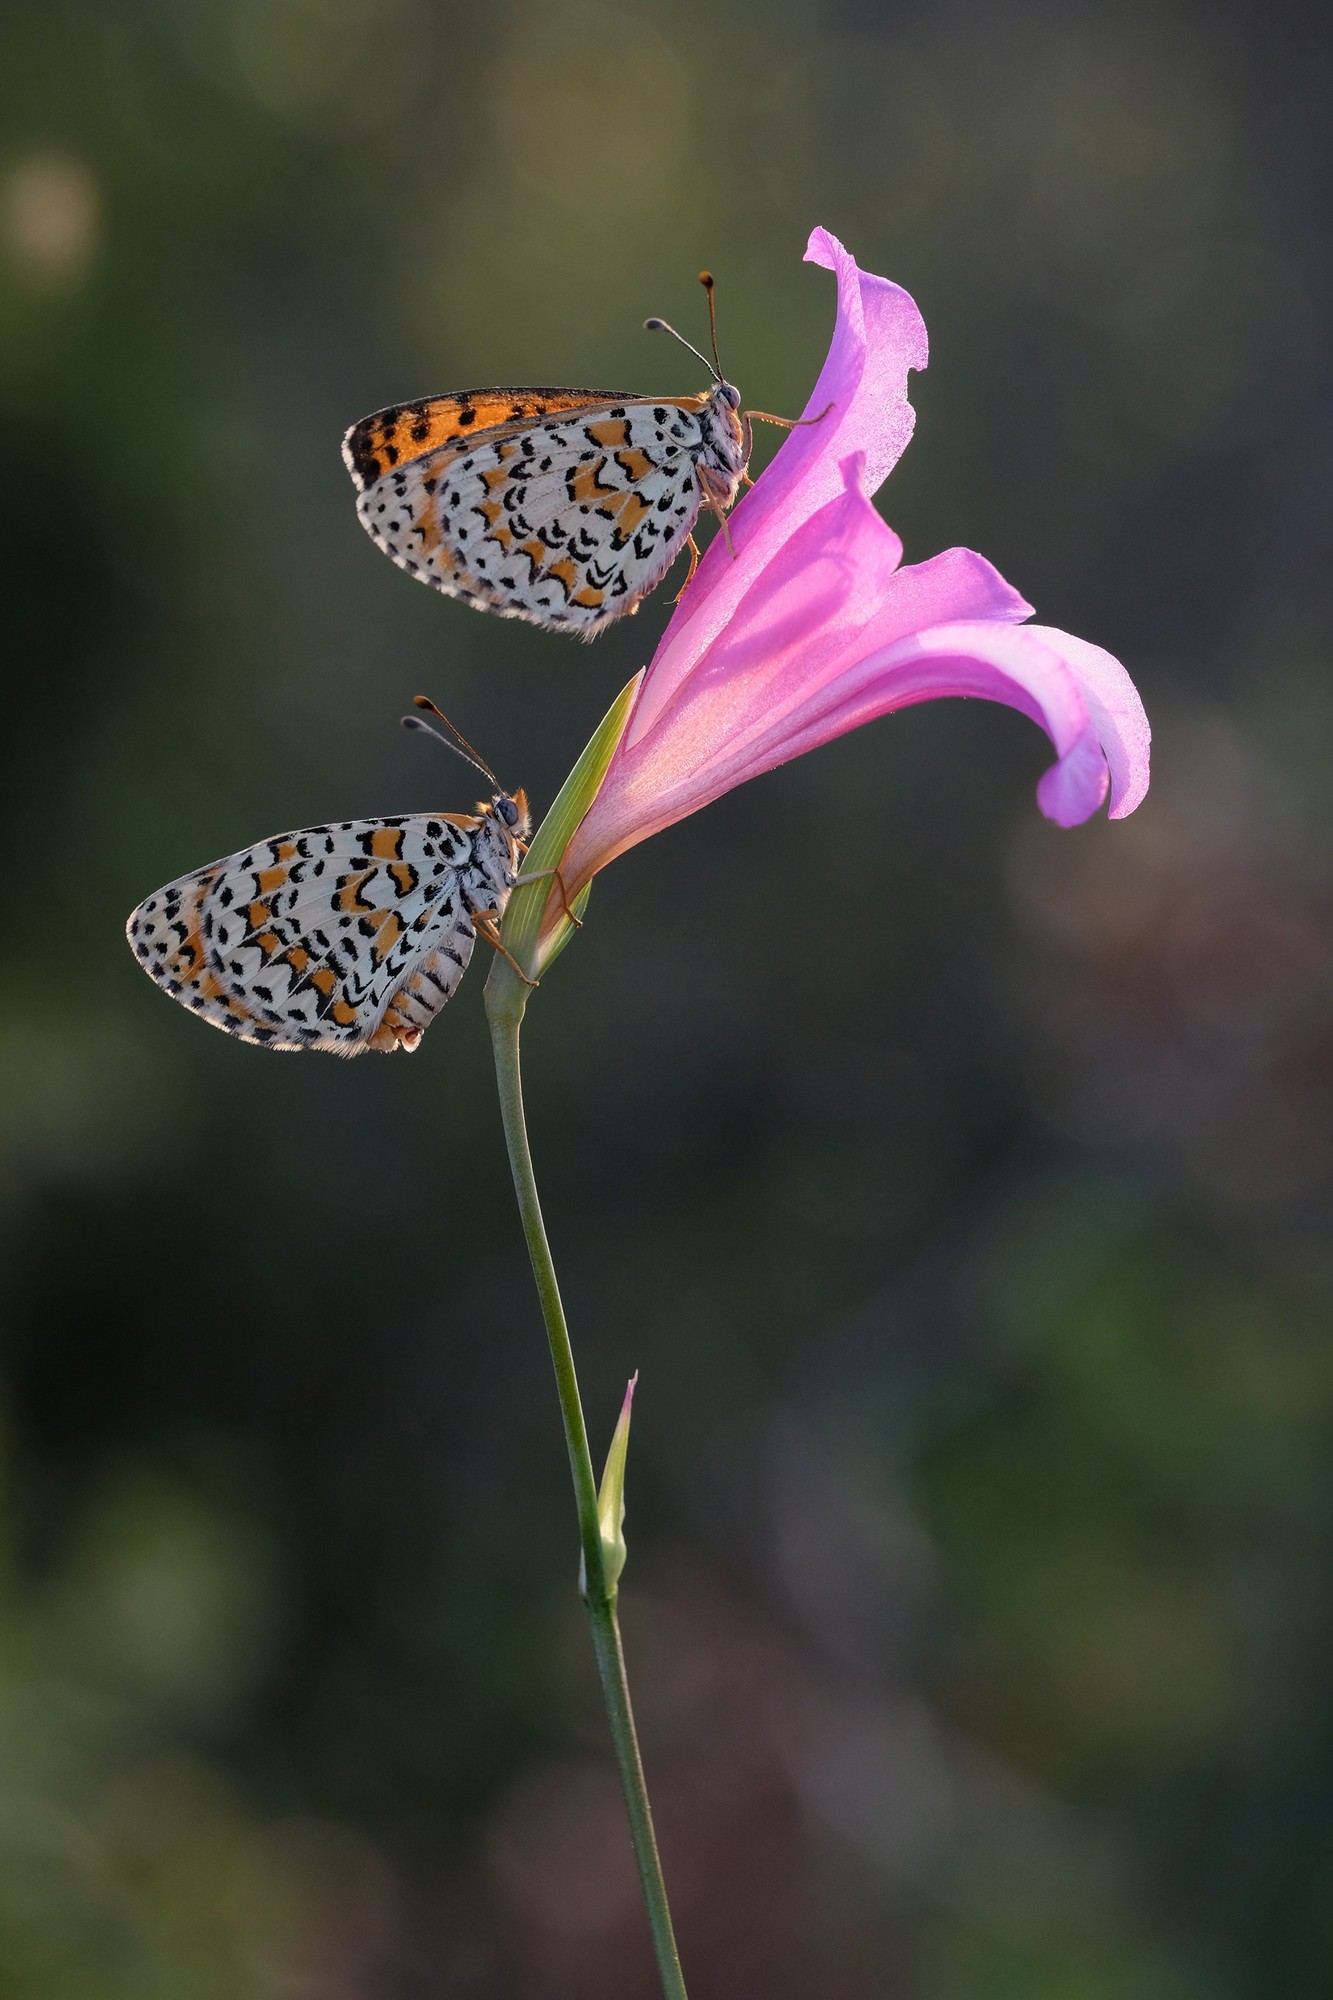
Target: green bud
column 611, row 1498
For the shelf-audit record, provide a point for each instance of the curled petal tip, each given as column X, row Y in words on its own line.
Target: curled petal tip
column 1116, row 714
column 1072, row 790
column 822, row 248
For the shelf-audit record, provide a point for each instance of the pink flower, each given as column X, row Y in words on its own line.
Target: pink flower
column 815, row 628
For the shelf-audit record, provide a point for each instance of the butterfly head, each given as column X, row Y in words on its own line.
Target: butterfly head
column 513, row 813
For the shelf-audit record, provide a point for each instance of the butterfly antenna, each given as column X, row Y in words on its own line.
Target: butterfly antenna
column 706, row 280
column 415, row 722
column 663, row 326
column 462, row 748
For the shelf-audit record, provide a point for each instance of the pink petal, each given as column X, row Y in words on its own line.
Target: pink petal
column 956, row 584
column 835, row 599
column 878, row 338
column 1011, row 664
column 990, row 661
column 1117, row 716
column 803, row 663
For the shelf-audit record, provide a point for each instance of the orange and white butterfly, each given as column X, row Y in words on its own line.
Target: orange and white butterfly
column 561, row 506
column 343, row 937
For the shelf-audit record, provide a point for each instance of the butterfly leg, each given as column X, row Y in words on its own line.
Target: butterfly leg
column 694, row 564
column 726, row 534
column 484, row 924
column 545, row 875
column 789, row 423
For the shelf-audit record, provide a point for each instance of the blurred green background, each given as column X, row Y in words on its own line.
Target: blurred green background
column 973, row 1241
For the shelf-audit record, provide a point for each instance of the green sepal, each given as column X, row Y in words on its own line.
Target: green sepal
column 556, row 945
column 521, row 929
column 611, row 1497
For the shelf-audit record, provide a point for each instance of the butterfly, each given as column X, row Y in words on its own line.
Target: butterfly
column 343, row 937
column 561, row 506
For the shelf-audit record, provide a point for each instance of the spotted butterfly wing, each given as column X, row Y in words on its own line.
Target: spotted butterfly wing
column 343, row 937
column 408, row 431
column 564, row 507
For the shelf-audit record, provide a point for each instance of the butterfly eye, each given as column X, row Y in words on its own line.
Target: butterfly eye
column 509, row 812
column 730, row 395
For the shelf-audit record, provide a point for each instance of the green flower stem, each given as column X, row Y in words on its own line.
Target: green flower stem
column 506, row 998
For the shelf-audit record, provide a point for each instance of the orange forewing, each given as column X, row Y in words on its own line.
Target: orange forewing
column 407, row 431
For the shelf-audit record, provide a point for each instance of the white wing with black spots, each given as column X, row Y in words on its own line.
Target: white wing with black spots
column 342, row 937
column 566, row 523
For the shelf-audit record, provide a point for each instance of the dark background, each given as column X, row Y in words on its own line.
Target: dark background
column 972, row 1237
